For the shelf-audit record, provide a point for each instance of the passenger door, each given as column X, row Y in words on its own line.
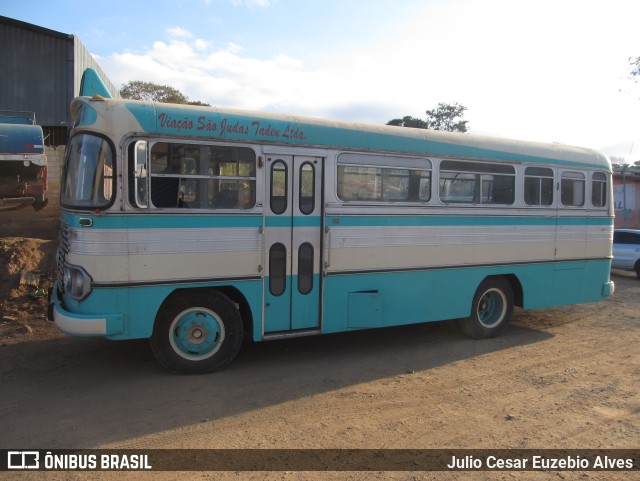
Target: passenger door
column 292, row 243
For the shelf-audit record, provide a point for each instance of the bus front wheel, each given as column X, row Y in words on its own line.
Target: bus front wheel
column 197, row 332
column 491, row 310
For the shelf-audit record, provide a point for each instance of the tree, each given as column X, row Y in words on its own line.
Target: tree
column 409, row 121
column 635, row 63
column 139, row 90
column 443, row 117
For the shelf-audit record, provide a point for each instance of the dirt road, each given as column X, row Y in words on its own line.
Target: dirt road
column 558, row 378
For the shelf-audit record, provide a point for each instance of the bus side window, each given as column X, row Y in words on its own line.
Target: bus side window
column 538, row 186
column 198, row 176
column 279, row 194
column 599, row 189
column 572, row 189
column 476, row 183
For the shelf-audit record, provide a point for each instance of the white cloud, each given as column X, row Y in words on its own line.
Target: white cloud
column 252, row 3
column 220, row 77
column 179, row 32
column 544, row 70
column 233, row 48
column 200, row 44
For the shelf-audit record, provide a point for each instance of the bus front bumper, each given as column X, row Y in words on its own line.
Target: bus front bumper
column 82, row 324
column 608, row 289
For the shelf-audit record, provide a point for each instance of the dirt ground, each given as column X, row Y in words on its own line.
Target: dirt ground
column 558, row 378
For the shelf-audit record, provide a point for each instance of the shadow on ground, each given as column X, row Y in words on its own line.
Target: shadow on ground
column 85, row 392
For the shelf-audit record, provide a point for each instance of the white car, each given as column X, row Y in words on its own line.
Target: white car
column 626, row 250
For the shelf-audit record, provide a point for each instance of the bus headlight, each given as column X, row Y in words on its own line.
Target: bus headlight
column 76, row 282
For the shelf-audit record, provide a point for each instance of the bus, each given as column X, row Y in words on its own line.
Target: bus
column 198, row 227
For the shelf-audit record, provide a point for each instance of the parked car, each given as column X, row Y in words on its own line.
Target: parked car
column 626, row 250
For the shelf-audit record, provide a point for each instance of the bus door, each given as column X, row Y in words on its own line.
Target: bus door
column 292, row 243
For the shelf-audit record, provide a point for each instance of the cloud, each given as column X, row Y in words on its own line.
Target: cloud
column 218, row 76
column 178, row 32
column 522, row 72
column 252, row 3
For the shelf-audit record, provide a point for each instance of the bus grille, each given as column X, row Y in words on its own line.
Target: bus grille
column 63, row 247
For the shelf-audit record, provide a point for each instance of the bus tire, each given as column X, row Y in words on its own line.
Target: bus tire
column 491, row 310
column 197, row 332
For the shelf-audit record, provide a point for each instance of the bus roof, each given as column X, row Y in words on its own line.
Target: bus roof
column 242, row 125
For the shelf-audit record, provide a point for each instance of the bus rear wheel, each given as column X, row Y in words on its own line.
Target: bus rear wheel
column 491, row 310
column 197, row 332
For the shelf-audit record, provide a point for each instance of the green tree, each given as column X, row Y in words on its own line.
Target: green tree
column 409, row 121
column 149, row 91
column 443, row 117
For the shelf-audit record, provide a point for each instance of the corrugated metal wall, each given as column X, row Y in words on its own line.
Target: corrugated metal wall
column 84, row 60
column 36, row 69
column 40, row 71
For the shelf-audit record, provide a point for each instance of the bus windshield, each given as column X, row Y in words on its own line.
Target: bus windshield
column 88, row 176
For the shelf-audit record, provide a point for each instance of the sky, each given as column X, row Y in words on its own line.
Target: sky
column 542, row 70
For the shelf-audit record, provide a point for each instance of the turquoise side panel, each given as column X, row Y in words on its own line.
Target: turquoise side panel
column 305, row 308
column 366, row 300
column 139, row 305
column 433, row 295
column 170, row 221
column 277, row 309
column 298, row 221
column 364, row 310
column 292, row 310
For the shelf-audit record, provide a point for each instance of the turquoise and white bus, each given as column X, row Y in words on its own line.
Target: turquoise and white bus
column 199, row 227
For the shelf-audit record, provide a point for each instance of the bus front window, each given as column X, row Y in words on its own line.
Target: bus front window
column 89, row 173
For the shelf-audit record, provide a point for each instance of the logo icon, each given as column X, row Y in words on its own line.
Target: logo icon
column 23, row 460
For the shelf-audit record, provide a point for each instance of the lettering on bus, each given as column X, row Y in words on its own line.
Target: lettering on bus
column 229, row 127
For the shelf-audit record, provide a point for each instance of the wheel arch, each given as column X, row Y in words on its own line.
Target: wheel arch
column 516, row 286
column 234, row 295
column 636, row 267
column 491, row 307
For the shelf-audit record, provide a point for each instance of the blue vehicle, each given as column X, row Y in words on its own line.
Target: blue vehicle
column 23, row 164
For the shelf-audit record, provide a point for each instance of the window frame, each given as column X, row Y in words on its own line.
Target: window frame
column 309, row 207
column 277, row 269
column 113, row 178
column 186, row 179
column 476, row 172
column 285, row 197
column 386, row 167
column 305, row 267
column 575, row 176
column 539, row 177
column 603, row 188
